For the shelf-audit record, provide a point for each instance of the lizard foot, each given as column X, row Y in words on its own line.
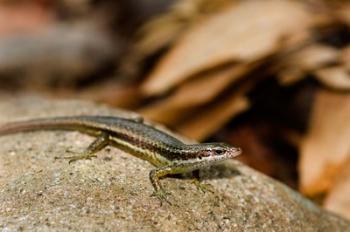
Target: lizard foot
column 162, row 196
column 202, row 187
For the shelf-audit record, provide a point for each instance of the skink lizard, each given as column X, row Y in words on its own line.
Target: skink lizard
column 168, row 154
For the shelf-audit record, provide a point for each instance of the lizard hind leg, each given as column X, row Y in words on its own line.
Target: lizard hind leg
column 97, row 145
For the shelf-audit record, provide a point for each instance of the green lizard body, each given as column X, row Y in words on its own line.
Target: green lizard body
column 168, row 154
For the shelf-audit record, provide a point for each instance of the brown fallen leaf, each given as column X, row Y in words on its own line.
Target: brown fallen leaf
column 165, row 29
column 326, row 146
column 314, row 56
column 338, row 199
column 162, row 31
column 194, row 93
column 203, row 123
column 231, row 35
column 345, row 57
column 334, row 77
column 290, row 75
column 343, row 12
column 306, row 60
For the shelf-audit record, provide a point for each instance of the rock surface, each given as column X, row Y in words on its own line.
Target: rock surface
column 112, row 192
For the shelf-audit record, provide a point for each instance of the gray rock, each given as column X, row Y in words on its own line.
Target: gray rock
column 112, row 192
column 61, row 54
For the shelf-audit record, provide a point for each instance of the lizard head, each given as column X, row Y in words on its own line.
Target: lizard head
column 219, row 151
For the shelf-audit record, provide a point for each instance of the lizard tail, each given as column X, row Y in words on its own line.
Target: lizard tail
column 39, row 124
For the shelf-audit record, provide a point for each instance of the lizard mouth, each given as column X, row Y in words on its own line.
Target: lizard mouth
column 234, row 151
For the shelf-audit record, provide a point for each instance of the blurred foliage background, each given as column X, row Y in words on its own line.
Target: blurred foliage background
column 272, row 77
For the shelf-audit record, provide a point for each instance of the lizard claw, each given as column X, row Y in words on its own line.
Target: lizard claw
column 202, row 187
column 162, row 196
column 78, row 157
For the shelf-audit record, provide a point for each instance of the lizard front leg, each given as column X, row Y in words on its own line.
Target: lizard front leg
column 155, row 175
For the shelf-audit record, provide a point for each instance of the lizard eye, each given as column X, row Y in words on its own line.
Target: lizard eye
column 219, row 152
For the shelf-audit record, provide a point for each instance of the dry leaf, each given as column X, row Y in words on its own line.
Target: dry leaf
column 166, row 28
column 204, row 123
column 314, row 56
column 290, row 75
column 230, row 35
column 343, row 12
column 334, row 77
column 327, row 146
column 305, row 60
column 345, row 57
column 194, row 93
column 338, row 199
